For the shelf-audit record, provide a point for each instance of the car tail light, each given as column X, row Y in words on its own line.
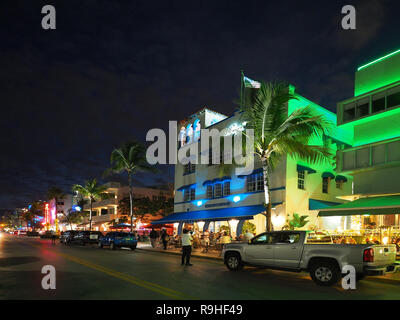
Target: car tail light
column 368, row 255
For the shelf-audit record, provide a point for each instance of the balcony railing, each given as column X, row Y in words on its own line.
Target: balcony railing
column 369, row 104
column 102, row 218
column 369, row 156
column 102, row 203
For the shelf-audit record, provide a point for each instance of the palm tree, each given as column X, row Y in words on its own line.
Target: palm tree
column 129, row 157
column 276, row 133
column 93, row 192
column 55, row 193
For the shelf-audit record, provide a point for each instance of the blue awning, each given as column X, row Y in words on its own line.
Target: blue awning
column 301, row 168
column 245, row 213
column 341, row 178
column 259, row 170
column 188, row 186
column 328, row 175
column 314, row 204
column 207, row 183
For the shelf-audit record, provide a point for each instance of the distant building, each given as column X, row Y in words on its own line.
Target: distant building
column 105, row 212
column 57, row 212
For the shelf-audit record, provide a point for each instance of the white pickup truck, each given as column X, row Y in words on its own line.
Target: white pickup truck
column 307, row 251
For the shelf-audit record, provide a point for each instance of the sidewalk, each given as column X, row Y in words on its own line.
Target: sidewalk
column 146, row 246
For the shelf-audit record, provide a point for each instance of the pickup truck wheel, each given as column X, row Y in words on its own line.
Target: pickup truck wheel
column 233, row 262
column 133, row 247
column 100, row 245
column 325, row 273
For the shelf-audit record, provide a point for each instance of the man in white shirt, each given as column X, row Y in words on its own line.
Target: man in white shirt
column 186, row 247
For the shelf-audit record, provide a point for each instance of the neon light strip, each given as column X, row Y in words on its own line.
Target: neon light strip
column 377, row 60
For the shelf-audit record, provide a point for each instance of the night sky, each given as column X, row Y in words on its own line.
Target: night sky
column 112, row 70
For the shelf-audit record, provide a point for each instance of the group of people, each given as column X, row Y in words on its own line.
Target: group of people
column 163, row 236
column 190, row 237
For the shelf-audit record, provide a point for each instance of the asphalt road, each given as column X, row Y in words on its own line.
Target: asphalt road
column 92, row 273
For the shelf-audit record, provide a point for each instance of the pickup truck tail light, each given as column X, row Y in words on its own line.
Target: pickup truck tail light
column 368, row 255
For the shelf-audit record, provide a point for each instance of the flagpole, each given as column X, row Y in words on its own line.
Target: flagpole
column 241, row 88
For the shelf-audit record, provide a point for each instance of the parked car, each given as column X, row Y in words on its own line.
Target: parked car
column 32, row 234
column 49, row 234
column 118, row 239
column 67, row 236
column 290, row 251
column 84, row 237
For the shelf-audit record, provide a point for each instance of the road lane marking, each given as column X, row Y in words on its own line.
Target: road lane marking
column 123, row 276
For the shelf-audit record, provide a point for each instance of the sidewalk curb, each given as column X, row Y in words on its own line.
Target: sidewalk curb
column 178, row 254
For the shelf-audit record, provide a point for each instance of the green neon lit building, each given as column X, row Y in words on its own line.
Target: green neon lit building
column 371, row 121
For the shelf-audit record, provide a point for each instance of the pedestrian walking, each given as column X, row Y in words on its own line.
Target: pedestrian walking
column 164, row 238
column 153, row 237
column 186, row 247
column 206, row 236
column 53, row 239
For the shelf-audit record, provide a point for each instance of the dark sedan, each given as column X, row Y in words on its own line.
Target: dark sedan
column 86, row 237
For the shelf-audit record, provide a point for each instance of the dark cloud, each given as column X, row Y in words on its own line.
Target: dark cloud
column 114, row 69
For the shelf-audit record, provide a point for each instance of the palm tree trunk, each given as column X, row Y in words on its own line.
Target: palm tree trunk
column 55, row 199
column 90, row 215
column 130, row 199
column 267, row 195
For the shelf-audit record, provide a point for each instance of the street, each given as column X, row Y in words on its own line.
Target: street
column 87, row 272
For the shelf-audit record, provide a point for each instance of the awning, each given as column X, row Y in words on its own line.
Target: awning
column 206, row 183
column 328, row 175
column 223, row 179
column 259, row 170
column 245, row 213
column 340, row 178
column 188, row 186
column 315, row 204
column 365, row 206
column 301, row 168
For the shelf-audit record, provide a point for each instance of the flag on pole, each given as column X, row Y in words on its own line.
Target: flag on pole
column 248, row 83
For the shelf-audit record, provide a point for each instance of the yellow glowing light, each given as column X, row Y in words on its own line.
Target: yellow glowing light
column 201, row 225
column 278, row 220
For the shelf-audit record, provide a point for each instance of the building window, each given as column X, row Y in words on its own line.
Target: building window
column 218, row 190
column 339, row 185
column 255, row 182
column 189, row 194
column 301, row 180
column 209, row 192
column 189, row 168
column 227, row 188
column 325, row 185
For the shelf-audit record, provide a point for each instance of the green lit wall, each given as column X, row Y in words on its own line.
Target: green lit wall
column 378, row 73
column 341, row 133
column 378, row 129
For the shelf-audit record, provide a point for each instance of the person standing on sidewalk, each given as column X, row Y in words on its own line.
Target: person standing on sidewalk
column 153, row 237
column 164, row 238
column 186, row 247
